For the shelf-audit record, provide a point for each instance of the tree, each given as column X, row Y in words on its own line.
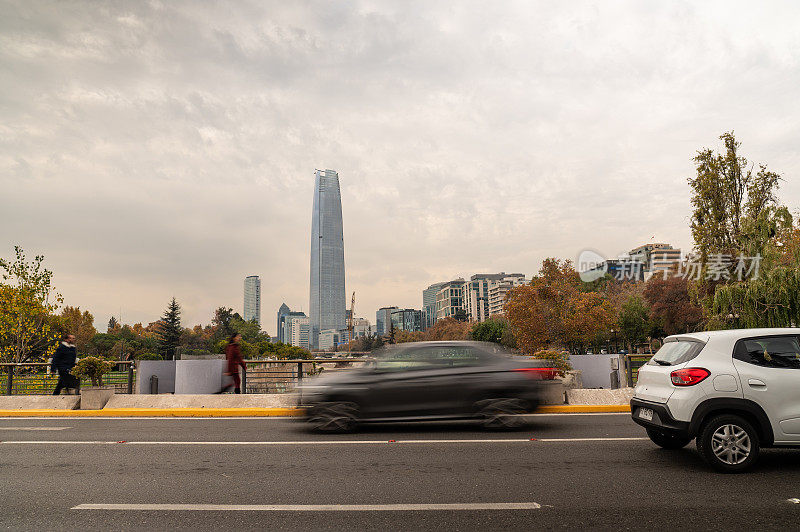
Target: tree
column 169, row 336
column 449, row 329
column 113, row 324
column 734, row 210
column 28, row 329
column 556, row 311
column 634, row 321
column 491, row 330
column 671, row 306
column 81, row 325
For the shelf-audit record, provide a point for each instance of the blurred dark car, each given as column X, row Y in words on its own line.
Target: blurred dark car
column 426, row 381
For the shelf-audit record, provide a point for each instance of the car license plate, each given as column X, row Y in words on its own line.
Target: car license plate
column 646, row 414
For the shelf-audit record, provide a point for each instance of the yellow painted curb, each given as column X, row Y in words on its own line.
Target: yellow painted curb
column 157, row 412
column 581, row 409
column 255, row 412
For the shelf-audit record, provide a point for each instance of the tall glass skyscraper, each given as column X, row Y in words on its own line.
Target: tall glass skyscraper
column 252, row 299
column 327, row 300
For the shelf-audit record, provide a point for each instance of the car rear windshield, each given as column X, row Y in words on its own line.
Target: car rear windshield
column 675, row 352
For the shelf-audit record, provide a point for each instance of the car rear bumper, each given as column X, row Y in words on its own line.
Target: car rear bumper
column 662, row 417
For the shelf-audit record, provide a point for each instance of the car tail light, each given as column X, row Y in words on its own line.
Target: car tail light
column 547, row 374
column 688, row 376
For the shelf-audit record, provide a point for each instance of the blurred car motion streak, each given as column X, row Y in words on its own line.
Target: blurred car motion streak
column 425, row 381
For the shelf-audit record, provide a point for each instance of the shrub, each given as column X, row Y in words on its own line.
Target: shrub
column 558, row 358
column 149, row 356
column 92, row 367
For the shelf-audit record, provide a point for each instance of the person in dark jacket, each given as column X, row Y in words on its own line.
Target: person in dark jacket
column 63, row 362
column 233, row 353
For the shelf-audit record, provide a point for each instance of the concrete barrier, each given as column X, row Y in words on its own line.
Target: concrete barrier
column 273, row 400
column 39, row 402
column 621, row 396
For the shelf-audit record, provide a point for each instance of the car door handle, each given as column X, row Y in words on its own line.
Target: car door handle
column 755, row 383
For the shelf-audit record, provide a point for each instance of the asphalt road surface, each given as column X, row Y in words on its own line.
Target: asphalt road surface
column 564, row 471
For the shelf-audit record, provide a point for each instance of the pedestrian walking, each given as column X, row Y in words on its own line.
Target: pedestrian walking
column 63, row 362
column 233, row 353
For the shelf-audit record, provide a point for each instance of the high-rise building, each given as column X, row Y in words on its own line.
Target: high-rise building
column 285, row 313
column 476, row 293
column 656, row 259
column 450, row 299
column 252, row 299
column 383, row 320
column 296, row 330
column 498, row 290
column 429, row 303
column 361, row 327
column 327, row 297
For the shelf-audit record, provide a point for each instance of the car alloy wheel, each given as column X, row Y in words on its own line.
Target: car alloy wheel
column 729, row 443
column 339, row 416
column 499, row 414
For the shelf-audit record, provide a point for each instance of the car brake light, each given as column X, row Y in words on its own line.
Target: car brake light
column 688, row 376
column 539, row 373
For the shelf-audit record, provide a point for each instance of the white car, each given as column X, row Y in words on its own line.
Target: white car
column 735, row 391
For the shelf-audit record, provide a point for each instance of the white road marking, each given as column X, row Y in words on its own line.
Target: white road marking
column 34, row 428
column 314, row 442
column 794, row 501
column 314, row 507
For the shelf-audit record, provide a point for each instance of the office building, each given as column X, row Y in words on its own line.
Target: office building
column 328, row 339
column 450, row 299
column 656, row 259
column 476, row 292
column 408, row 319
column 283, row 313
column 252, row 299
column 429, row 303
column 383, row 320
column 296, row 330
column 361, row 328
column 327, row 292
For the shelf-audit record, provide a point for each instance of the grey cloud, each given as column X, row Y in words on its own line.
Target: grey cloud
column 468, row 136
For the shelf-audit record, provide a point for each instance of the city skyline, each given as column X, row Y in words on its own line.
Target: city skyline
column 177, row 139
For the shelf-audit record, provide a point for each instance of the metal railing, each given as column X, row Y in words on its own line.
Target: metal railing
column 282, row 376
column 35, row 378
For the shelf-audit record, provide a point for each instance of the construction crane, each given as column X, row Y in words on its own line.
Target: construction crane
column 350, row 322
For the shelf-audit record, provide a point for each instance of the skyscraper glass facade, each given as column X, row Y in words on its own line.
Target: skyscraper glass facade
column 252, row 299
column 327, row 296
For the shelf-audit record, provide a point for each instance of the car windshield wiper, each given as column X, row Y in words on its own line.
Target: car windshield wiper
column 662, row 362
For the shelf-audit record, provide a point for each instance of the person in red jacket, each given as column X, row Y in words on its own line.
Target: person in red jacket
column 233, row 353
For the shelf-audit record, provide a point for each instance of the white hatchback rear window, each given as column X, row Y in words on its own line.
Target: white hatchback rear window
column 676, row 352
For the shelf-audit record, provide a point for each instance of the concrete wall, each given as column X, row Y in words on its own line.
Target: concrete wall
column 595, row 370
column 164, row 369
column 200, row 376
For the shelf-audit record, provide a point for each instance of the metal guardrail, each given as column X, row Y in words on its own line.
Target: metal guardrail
column 282, row 376
column 34, row 378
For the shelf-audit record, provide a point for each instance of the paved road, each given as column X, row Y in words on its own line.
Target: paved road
column 578, row 471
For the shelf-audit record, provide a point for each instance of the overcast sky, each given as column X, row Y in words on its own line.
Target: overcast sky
column 159, row 149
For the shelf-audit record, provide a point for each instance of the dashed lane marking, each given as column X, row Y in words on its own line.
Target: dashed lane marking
column 34, row 428
column 313, row 507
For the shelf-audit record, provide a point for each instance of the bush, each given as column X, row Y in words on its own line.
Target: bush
column 92, row 367
column 558, row 358
column 149, row 356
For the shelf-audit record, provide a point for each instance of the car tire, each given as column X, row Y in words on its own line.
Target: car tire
column 501, row 414
column 333, row 417
column 729, row 443
column 668, row 440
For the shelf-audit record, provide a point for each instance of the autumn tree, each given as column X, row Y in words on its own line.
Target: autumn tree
column 28, row 328
column 554, row 311
column 449, row 329
column 169, row 335
column 80, row 324
column 671, row 305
